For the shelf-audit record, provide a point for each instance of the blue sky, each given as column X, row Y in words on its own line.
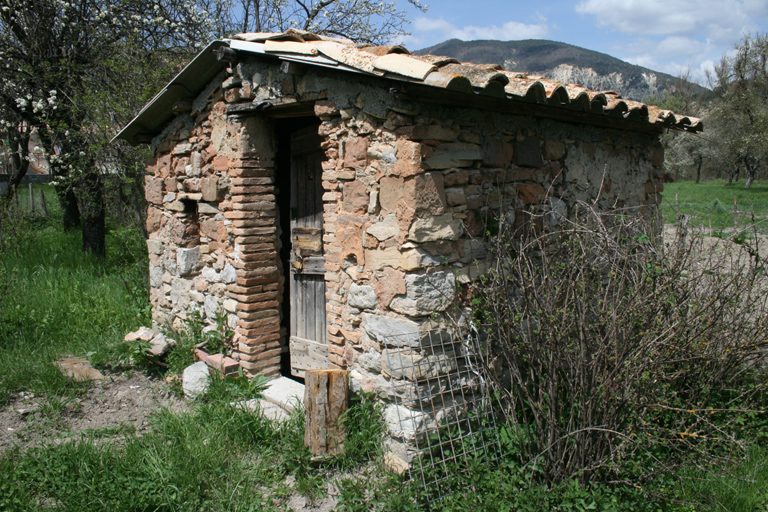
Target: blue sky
column 664, row 35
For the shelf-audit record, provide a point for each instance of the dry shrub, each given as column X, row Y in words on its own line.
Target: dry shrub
column 619, row 357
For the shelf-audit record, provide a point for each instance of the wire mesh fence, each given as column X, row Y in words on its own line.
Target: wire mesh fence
column 443, row 407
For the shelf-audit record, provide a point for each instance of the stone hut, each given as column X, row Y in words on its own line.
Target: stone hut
column 325, row 196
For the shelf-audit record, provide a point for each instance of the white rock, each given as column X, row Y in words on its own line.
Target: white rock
column 210, row 275
column 229, row 274
column 154, row 247
column 207, row 208
column 402, row 364
column 426, row 293
column 433, row 229
column 187, row 260
column 362, row 296
column 393, row 331
column 385, row 229
column 211, row 306
column 195, row 379
column 370, row 360
column 404, row 423
column 230, row 305
column 155, row 275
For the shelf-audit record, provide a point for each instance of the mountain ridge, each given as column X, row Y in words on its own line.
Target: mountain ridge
column 561, row 62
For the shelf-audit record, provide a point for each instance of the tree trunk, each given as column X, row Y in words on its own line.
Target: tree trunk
column 93, row 213
column 19, row 142
column 751, row 173
column 698, row 170
column 326, row 396
column 70, row 218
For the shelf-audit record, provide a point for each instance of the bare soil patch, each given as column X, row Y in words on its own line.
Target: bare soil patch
column 119, row 402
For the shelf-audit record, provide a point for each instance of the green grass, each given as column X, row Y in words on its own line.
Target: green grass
column 711, row 204
column 743, row 489
column 57, row 301
column 217, row 457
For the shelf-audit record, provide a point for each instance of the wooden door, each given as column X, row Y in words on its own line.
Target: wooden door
column 306, row 276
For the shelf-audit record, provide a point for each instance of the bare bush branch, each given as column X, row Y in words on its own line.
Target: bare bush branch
column 611, row 347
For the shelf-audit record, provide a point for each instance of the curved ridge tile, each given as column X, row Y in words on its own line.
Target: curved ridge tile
column 386, row 49
column 579, row 101
column 654, row 114
column 637, row 111
column 666, row 118
column 530, row 91
column 697, row 124
column 437, row 60
column 616, row 107
column 404, row 65
column 557, row 94
column 597, row 102
column 348, row 56
column 494, row 89
column 448, row 81
column 479, row 77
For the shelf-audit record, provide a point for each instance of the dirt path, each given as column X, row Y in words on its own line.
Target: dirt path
column 123, row 401
column 112, row 408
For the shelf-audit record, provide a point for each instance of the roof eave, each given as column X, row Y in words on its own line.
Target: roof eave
column 188, row 83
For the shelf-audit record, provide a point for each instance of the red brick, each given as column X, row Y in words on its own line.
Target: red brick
column 258, row 306
column 256, row 315
column 252, row 181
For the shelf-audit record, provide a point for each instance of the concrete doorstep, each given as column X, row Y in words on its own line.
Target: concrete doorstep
column 280, row 398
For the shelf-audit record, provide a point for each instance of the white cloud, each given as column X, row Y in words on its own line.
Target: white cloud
column 720, row 20
column 429, row 31
column 671, row 55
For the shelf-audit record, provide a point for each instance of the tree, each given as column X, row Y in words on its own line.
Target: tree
column 56, row 54
column 741, row 107
column 365, row 21
column 683, row 151
column 67, row 66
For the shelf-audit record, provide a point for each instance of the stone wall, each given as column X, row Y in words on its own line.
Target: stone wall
column 213, row 224
column 409, row 190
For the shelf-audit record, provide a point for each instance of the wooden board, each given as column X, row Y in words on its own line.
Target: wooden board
column 307, row 241
column 307, row 355
column 307, row 265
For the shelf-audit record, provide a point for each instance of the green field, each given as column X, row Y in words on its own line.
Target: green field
column 717, row 205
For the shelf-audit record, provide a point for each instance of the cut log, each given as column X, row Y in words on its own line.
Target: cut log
column 326, row 396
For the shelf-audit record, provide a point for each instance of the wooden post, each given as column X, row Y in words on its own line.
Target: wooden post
column 326, row 396
column 31, row 199
column 43, row 205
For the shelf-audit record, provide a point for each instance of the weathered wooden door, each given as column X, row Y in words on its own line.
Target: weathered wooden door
column 306, row 276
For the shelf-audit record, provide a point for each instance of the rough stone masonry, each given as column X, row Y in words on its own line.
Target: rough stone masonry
column 408, row 189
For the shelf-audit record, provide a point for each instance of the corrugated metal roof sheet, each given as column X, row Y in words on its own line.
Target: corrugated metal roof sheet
column 395, row 62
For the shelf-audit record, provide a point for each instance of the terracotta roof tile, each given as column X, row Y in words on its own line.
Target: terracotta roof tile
column 487, row 79
column 395, row 62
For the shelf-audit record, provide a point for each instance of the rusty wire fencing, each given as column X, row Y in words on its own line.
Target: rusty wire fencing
column 443, row 407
